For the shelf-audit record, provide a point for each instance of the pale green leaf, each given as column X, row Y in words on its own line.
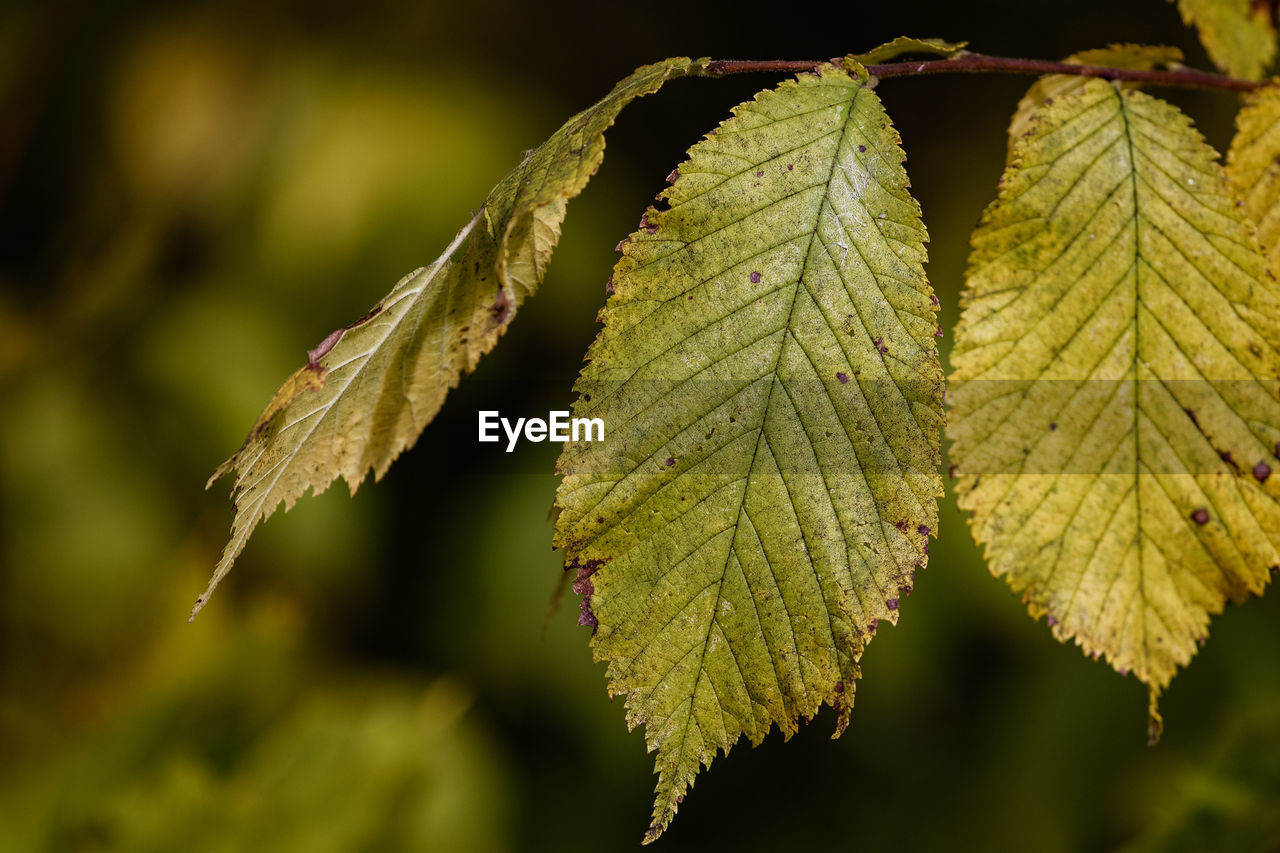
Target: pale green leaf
column 1238, row 35
column 1253, row 167
column 769, row 383
column 368, row 390
column 907, row 46
column 1133, row 56
column 1115, row 398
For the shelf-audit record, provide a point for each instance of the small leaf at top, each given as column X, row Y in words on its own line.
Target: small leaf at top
column 1253, row 167
column 907, row 46
column 769, row 383
column 1238, row 35
column 369, row 389
column 1115, row 403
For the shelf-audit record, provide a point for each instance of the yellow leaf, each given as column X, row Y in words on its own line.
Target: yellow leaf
column 1115, row 398
column 1253, row 167
column 1238, row 35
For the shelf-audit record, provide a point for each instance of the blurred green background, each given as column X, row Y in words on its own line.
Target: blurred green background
column 192, row 196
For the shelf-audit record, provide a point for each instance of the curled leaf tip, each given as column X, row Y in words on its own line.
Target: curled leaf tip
column 1155, row 722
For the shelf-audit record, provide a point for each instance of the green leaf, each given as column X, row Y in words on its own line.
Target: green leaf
column 1253, row 167
column 1133, row 56
column 369, row 389
column 906, row 46
column 1115, row 402
column 769, row 383
column 1238, row 35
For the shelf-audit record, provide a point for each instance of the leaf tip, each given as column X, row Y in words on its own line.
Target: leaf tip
column 223, row 470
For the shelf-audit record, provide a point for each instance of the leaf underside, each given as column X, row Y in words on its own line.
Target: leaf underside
column 368, row 390
column 771, row 392
column 1253, row 167
column 1115, row 408
column 1238, row 35
column 907, row 46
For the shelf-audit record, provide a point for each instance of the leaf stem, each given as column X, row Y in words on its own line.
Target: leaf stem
column 978, row 63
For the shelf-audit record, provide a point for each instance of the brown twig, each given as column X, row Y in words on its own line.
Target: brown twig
column 979, row 63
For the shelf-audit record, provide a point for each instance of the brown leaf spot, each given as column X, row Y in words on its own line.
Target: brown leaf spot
column 501, row 309
column 842, row 377
column 583, row 586
column 314, row 355
column 332, row 339
column 1200, row 516
column 892, row 604
column 1261, row 472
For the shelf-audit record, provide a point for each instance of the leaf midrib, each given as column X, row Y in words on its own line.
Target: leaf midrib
column 711, row 622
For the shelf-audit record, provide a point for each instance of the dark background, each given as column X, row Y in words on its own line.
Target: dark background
column 191, row 197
